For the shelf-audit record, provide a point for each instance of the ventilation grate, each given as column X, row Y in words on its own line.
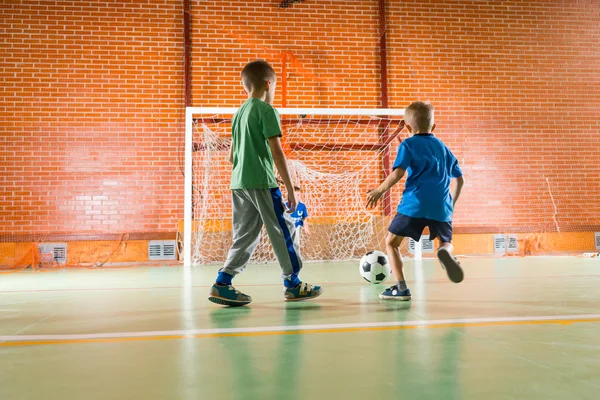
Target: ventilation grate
column 499, row 244
column 513, row 243
column 427, row 246
column 154, row 250
column 597, row 240
column 169, row 250
column 57, row 251
column 162, row 250
column 506, row 243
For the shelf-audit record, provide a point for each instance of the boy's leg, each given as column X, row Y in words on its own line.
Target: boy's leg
column 401, row 226
column 246, row 224
column 284, row 239
column 399, row 291
column 282, row 232
column 443, row 230
column 392, row 248
column 246, row 234
column 450, row 264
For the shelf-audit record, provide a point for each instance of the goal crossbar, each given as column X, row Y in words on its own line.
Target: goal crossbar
column 392, row 112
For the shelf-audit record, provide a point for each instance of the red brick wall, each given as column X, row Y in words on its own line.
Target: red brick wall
column 517, row 90
column 91, row 116
column 93, row 98
column 333, row 46
column 516, row 86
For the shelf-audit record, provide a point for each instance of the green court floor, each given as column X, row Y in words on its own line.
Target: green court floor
column 516, row 328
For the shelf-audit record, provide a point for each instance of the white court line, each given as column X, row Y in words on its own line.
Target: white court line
column 287, row 328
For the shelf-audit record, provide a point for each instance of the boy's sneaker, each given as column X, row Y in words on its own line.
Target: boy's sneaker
column 303, row 291
column 393, row 293
column 228, row 296
column 451, row 265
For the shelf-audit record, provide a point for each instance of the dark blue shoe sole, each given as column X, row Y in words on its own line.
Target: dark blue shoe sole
column 226, row 302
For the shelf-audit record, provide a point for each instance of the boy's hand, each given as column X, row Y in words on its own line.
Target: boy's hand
column 373, row 197
column 291, row 204
column 391, row 180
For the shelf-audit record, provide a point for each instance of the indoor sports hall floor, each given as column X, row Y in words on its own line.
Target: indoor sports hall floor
column 516, row 328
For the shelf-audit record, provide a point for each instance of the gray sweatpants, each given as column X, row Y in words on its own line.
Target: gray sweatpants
column 251, row 209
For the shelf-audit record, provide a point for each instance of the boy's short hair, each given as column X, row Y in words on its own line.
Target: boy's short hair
column 256, row 73
column 419, row 115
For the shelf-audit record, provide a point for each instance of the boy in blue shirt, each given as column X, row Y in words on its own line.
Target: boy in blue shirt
column 426, row 200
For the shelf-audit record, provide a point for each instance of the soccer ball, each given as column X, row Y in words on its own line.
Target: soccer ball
column 374, row 267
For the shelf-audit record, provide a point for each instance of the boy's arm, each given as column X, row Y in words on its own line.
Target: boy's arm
column 391, row 180
column 281, row 164
column 460, row 182
column 231, row 153
column 455, row 172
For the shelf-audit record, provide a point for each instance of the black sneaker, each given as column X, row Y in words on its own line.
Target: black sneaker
column 393, row 293
column 451, row 265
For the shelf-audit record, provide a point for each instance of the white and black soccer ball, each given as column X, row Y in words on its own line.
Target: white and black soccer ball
column 374, row 267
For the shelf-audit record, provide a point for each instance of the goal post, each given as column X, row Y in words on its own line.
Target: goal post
column 335, row 155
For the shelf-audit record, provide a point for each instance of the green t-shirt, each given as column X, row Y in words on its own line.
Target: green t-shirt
column 252, row 126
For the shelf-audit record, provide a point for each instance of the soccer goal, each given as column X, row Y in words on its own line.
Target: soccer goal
column 335, row 156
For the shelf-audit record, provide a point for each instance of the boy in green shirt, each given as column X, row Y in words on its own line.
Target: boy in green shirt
column 257, row 200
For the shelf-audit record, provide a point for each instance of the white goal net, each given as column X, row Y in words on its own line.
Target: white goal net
column 335, row 156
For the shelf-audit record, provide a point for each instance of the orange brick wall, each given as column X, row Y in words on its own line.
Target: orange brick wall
column 93, row 99
column 516, row 86
column 91, row 116
column 517, row 89
column 333, row 46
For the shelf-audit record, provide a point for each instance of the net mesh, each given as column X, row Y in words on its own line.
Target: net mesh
column 334, row 160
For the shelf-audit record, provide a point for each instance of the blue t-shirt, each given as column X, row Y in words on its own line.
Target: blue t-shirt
column 300, row 214
column 430, row 166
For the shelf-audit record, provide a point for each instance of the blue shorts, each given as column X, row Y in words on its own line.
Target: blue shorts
column 403, row 225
